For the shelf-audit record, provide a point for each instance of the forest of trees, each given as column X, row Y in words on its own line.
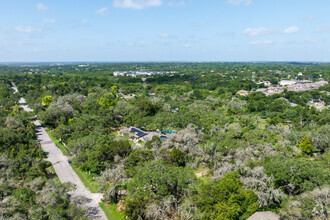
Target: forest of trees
column 26, row 189
column 256, row 152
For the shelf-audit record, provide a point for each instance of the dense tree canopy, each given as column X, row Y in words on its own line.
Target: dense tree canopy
column 26, row 189
column 212, row 153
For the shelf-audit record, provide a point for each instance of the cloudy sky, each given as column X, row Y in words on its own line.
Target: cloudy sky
column 164, row 30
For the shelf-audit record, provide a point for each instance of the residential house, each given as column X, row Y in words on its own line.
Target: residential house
column 264, row 216
column 139, row 134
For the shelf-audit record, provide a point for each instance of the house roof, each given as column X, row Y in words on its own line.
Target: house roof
column 264, row 216
column 138, row 132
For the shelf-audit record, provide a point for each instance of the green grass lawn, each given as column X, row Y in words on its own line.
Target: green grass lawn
column 56, row 141
column 86, row 179
column 111, row 212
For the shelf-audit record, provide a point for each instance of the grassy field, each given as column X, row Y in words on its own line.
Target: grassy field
column 56, row 141
column 111, row 212
column 86, row 179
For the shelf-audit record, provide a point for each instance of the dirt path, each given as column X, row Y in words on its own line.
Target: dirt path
column 63, row 170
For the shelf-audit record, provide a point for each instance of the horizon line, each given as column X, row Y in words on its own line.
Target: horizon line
column 178, row 61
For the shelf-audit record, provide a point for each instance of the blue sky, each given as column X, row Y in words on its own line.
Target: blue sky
column 164, row 30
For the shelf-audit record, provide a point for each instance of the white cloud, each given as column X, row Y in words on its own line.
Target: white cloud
column 187, row 45
column 26, row 29
column 42, row 7
column 52, row 20
column 260, row 42
column 255, row 31
column 102, row 11
column 323, row 29
column 136, row 4
column 291, row 30
column 163, row 35
column 239, row 2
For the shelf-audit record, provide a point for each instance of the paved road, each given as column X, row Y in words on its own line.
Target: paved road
column 63, row 170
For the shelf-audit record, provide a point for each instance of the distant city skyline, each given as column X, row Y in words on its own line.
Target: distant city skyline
column 164, row 30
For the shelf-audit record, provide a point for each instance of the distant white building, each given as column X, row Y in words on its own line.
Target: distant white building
column 266, row 83
column 140, row 73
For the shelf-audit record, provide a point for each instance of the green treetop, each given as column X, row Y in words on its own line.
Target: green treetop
column 305, row 144
column 47, row 100
column 108, row 100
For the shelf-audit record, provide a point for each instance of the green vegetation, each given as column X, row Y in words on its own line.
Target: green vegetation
column 27, row 188
column 47, row 100
column 58, row 143
column 86, row 179
column 226, row 199
column 252, row 152
column 305, row 145
column 111, row 212
column 108, row 100
column 295, row 176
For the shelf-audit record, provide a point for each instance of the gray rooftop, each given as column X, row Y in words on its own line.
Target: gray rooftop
column 264, row 216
